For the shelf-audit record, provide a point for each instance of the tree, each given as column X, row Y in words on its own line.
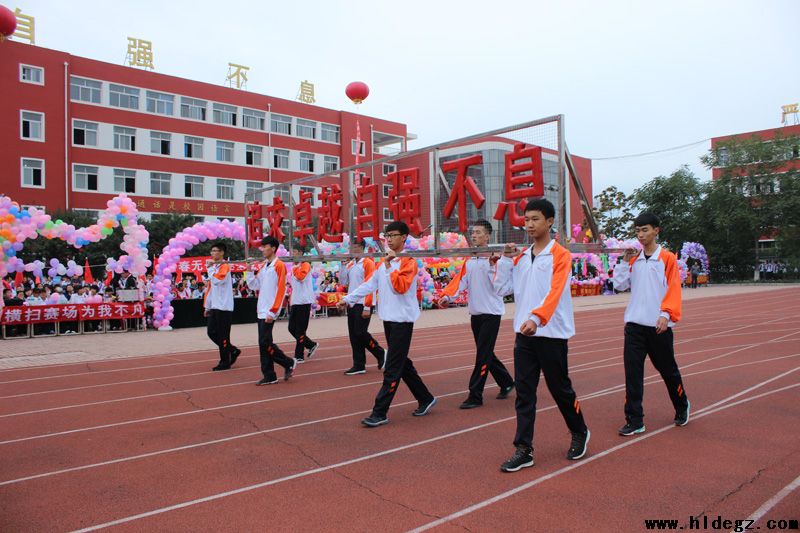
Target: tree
column 613, row 214
column 675, row 200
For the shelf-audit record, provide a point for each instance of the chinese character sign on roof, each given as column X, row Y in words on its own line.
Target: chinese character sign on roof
column 26, row 27
column 140, row 53
column 237, row 75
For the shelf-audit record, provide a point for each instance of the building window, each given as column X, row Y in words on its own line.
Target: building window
column 160, row 103
column 254, row 186
column 281, row 158
column 192, row 108
column 306, row 128
column 84, row 90
column 330, row 133
column 160, row 142
column 32, row 125
column 193, row 147
column 253, row 155
column 31, row 74
column 124, row 180
column 122, row 96
column 33, row 173
column 124, row 138
column 84, row 133
column 85, row 177
column 331, row 163
column 387, row 187
column 224, row 189
column 193, row 187
column 361, row 146
column 160, row 183
column 224, row 114
column 224, row 151
column 256, row 120
column 387, row 214
column 388, row 168
column 281, row 124
column 306, row 162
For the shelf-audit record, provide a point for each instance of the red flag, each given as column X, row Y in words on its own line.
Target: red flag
column 109, row 278
column 38, row 280
column 178, row 276
column 87, row 273
column 19, row 279
column 155, row 264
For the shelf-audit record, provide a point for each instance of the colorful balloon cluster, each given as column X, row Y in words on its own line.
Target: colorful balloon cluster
column 57, row 269
column 17, row 225
column 697, row 251
column 171, row 254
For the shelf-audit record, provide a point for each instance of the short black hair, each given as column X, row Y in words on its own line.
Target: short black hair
column 269, row 240
column 485, row 224
column 220, row 246
column 360, row 242
column 399, row 226
column 542, row 205
column 647, row 218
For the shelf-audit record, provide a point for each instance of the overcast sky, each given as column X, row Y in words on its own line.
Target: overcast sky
column 630, row 77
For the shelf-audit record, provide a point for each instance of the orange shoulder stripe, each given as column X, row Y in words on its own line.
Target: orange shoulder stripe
column 280, row 269
column 452, row 287
column 562, row 267
column 671, row 303
column 300, row 272
column 403, row 277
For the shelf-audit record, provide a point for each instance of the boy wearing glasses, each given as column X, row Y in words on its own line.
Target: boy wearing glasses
column 395, row 279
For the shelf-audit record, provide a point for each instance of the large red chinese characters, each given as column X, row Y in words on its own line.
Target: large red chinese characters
column 404, row 198
column 524, row 179
column 463, row 186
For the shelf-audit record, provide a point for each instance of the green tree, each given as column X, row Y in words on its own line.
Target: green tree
column 675, row 199
column 613, row 214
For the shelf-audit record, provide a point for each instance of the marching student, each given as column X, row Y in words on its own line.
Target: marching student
column 353, row 274
column 396, row 282
column 218, row 307
column 301, row 300
column 543, row 321
column 654, row 307
column 486, row 309
column 270, row 281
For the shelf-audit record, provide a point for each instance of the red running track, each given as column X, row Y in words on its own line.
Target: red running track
column 162, row 443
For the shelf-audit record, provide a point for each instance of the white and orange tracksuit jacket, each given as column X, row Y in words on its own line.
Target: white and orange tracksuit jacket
column 219, row 294
column 396, row 283
column 476, row 275
column 541, row 290
column 655, row 285
column 302, row 284
column 270, row 281
column 354, row 273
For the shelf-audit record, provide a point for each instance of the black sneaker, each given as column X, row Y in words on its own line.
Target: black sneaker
column 577, row 448
column 682, row 417
column 469, row 403
column 373, row 421
column 522, row 458
column 299, row 360
column 504, row 392
column 382, row 361
column 423, row 410
column 312, row 350
column 221, row 367
column 235, row 355
column 353, row 371
column 265, row 381
column 630, row 429
column 290, row 371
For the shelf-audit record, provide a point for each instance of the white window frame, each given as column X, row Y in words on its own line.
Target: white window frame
column 127, row 92
column 388, row 168
column 161, row 136
column 201, row 184
column 254, row 186
column 91, row 90
column 157, row 98
column 256, row 154
column 329, row 160
column 385, row 189
column 196, row 154
column 155, row 177
column 85, row 173
column 260, row 117
column 307, row 163
column 219, row 110
column 21, row 119
column 85, row 129
column 362, row 148
column 227, row 185
column 322, row 133
column 193, row 104
column 307, row 124
column 276, row 119
column 23, row 66
column 223, row 146
column 387, row 214
column 125, row 177
column 132, row 138
column 275, row 156
column 22, row 172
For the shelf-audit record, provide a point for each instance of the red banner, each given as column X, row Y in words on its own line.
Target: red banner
column 37, row 314
column 197, row 265
column 329, row 299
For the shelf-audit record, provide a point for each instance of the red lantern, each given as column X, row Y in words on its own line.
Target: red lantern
column 8, row 23
column 357, row 91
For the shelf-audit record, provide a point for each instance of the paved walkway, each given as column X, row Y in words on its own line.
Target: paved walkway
column 17, row 353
